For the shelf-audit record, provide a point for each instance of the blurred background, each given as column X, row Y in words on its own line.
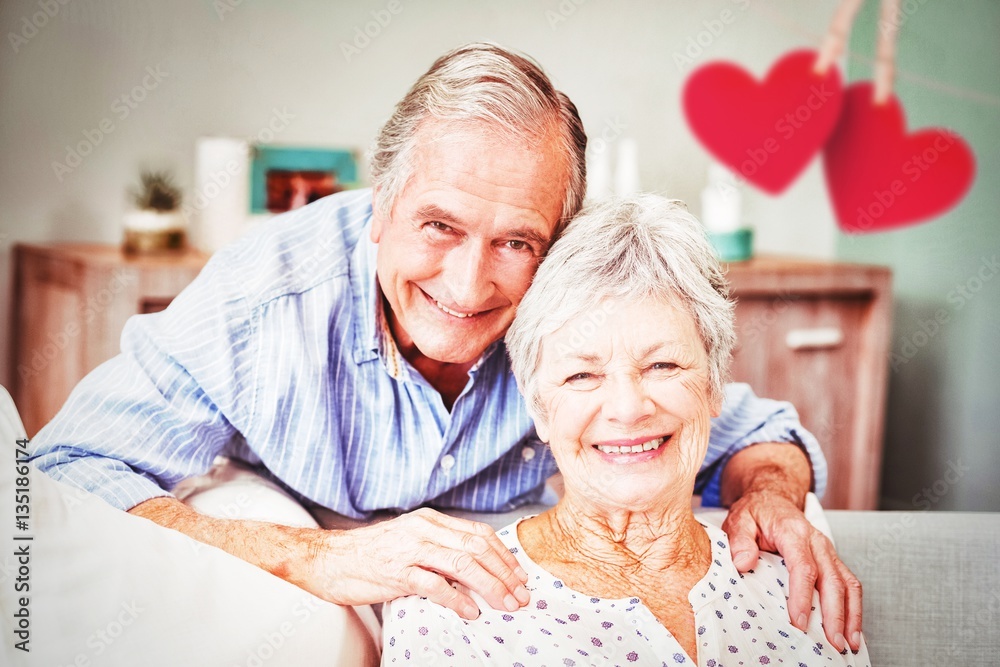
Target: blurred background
column 139, row 82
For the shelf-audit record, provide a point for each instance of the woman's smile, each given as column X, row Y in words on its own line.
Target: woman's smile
column 637, row 450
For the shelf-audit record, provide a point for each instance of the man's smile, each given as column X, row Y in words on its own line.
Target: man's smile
column 460, row 314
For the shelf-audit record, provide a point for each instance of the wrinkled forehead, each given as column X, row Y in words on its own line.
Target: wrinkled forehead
column 594, row 328
column 471, row 175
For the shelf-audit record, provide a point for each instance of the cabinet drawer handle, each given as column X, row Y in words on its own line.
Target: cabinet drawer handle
column 814, row 339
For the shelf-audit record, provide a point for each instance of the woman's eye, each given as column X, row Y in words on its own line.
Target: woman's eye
column 664, row 366
column 578, row 377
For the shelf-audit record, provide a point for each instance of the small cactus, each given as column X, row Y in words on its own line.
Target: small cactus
column 157, row 192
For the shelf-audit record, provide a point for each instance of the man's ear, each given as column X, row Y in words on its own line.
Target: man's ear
column 377, row 219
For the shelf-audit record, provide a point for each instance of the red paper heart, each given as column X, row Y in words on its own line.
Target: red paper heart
column 767, row 132
column 881, row 178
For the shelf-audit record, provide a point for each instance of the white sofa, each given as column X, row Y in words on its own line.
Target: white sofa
column 112, row 589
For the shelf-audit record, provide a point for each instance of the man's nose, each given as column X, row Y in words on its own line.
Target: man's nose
column 468, row 275
column 628, row 403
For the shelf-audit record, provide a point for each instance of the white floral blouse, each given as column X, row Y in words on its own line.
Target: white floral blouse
column 740, row 619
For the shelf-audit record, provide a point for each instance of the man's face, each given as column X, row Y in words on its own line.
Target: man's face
column 465, row 238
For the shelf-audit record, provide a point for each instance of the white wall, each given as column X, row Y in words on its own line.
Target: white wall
column 227, row 71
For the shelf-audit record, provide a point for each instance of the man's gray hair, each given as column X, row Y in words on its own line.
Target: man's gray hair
column 486, row 83
column 622, row 251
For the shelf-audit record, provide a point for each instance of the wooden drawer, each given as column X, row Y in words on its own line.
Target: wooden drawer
column 817, row 334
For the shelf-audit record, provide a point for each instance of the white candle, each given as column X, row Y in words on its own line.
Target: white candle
column 721, row 202
column 627, row 171
column 221, row 200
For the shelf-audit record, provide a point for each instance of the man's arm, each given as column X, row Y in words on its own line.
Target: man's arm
column 185, row 386
column 417, row 553
column 765, row 486
column 162, row 410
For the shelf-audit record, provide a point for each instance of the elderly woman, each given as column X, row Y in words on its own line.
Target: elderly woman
column 621, row 347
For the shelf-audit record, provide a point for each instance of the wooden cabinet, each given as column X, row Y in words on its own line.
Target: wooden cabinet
column 817, row 334
column 71, row 303
column 813, row 333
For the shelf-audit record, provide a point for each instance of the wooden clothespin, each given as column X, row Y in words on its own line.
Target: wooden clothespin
column 835, row 43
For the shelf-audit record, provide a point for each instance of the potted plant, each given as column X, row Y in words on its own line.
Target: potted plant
column 155, row 223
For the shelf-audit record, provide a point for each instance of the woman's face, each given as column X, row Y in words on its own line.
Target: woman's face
column 636, row 381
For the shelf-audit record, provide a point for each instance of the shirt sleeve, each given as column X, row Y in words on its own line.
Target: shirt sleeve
column 746, row 420
column 160, row 411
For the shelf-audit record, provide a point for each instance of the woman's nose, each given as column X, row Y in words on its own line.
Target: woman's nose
column 628, row 403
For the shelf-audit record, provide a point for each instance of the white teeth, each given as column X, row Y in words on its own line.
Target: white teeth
column 450, row 311
column 634, row 449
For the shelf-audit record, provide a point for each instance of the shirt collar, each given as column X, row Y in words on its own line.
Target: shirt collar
column 367, row 297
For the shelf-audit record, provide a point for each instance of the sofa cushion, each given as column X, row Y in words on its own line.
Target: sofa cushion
column 931, row 584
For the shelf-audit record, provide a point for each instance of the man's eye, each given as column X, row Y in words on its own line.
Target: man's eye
column 515, row 244
column 438, row 226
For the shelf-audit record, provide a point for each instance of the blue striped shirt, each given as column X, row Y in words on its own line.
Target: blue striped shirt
column 277, row 354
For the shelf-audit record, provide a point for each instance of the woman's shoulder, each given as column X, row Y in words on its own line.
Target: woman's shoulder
column 510, row 536
column 769, row 577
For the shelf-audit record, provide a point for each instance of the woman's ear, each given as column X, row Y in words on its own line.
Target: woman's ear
column 541, row 426
column 542, row 430
column 716, row 403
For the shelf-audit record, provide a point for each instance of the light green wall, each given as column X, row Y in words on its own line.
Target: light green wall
column 943, row 422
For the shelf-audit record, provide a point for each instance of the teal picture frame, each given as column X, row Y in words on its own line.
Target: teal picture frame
column 341, row 162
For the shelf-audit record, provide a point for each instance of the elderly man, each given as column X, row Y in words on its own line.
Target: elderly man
column 352, row 350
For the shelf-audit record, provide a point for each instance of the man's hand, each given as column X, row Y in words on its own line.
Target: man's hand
column 765, row 486
column 417, row 553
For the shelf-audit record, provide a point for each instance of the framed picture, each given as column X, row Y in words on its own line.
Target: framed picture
column 284, row 178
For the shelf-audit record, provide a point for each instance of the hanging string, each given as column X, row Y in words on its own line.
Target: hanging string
column 805, row 32
column 885, row 50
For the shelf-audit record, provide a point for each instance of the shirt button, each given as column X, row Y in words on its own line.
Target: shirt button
column 528, row 453
column 447, row 462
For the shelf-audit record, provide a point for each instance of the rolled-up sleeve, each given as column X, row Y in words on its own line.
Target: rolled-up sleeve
column 747, row 419
column 160, row 411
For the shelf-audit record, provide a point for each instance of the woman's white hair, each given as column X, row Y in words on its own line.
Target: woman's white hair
column 624, row 250
column 482, row 82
